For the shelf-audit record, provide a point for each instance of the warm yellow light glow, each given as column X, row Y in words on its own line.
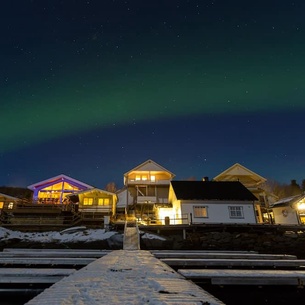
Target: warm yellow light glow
column 166, row 212
column 301, row 206
column 88, row 201
column 153, row 178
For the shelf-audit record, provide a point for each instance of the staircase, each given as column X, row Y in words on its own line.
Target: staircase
column 131, row 236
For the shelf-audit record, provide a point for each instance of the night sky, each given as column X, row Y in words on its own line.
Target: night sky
column 92, row 89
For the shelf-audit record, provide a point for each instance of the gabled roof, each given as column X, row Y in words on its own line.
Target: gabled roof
column 9, row 197
column 239, row 172
column 149, row 166
column 288, row 201
column 89, row 190
column 211, row 190
column 57, row 179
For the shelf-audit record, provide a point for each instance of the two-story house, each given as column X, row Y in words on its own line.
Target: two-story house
column 254, row 183
column 145, row 191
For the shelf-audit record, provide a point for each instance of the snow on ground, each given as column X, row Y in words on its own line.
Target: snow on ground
column 72, row 235
column 81, row 235
column 151, row 236
column 129, row 277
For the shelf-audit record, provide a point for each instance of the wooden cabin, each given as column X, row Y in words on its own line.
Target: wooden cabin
column 94, row 202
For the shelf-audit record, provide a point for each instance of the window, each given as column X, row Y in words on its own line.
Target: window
column 200, row 211
column 103, row 201
column 138, row 177
column 153, row 178
column 88, row 201
column 10, row 206
column 236, row 212
column 1, row 204
column 144, row 177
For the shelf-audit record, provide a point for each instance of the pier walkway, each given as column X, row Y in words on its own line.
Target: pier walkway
column 131, row 236
column 125, row 277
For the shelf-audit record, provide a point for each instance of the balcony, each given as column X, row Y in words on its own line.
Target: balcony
column 151, row 199
column 148, row 182
column 146, row 199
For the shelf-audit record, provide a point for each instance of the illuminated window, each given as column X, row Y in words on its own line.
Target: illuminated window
column 68, row 186
column 10, row 205
column 200, row 212
column 144, row 177
column 1, row 204
column 138, row 177
column 88, row 201
column 236, row 212
column 103, row 201
column 153, row 178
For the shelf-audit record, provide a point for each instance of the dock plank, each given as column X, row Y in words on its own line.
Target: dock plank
column 45, row 261
column 53, row 254
column 245, row 277
column 229, row 263
column 221, row 255
column 125, row 277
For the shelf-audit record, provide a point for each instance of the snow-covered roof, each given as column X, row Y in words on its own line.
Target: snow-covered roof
column 92, row 190
column 288, row 200
column 8, row 197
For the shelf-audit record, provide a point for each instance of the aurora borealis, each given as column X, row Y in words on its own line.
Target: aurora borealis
column 93, row 88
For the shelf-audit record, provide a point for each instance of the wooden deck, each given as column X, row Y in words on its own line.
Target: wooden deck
column 246, row 277
column 236, row 263
column 139, row 277
column 125, row 277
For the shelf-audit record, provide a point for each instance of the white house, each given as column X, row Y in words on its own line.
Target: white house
column 254, row 183
column 201, row 202
column 289, row 210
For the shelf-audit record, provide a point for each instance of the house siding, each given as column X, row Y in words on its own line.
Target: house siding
column 218, row 212
column 285, row 215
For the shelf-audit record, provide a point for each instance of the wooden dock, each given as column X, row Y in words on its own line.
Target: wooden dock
column 221, row 255
column 125, row 277
column 131, row 237
column 246, row 277
column 235, row 263
column 33, row 276
column 74, row 276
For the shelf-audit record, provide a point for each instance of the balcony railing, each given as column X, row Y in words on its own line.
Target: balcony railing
column 146, row 199
column 151, row 199
column 153, row 182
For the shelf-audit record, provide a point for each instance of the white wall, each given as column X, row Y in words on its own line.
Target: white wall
column 218, row 212
column 122, row 199
column 290, row 218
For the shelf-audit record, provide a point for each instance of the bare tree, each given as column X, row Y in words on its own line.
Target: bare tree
column 111, row 187
column 276, row 188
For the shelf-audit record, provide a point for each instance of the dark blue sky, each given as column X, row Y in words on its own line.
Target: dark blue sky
column 93, row 88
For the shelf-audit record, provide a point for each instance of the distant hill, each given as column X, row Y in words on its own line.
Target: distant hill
column 18, row 192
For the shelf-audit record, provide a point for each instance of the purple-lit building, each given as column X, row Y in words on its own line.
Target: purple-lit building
column 55, row 190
